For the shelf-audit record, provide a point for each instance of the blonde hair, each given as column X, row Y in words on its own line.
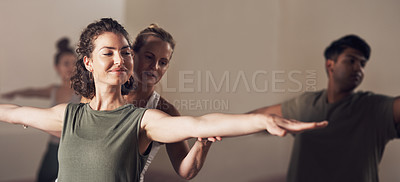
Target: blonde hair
column 152, row 30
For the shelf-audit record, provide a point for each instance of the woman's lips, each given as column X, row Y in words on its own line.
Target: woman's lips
column 118, row 70
column 147, row 73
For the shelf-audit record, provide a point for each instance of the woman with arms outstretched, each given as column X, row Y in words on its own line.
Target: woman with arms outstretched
column 153, row 48
column 108, row 139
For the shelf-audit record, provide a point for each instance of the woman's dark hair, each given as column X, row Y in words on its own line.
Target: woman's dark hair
column 348, row 41
column 152, row 30
column 62, row 48
column 82, row 81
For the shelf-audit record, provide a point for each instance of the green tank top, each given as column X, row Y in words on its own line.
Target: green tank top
column 100, row 145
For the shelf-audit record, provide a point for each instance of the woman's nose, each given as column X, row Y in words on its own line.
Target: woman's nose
column 118, row 59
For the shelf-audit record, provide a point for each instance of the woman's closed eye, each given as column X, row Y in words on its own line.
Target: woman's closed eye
column 126, row 53
column 163, row 63
column 108, row 54
column 149, row 57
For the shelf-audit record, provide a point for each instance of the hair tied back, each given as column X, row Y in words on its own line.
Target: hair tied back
column 63, row 44
column 153, row 25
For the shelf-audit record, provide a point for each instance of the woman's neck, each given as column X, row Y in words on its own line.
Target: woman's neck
column 108, row 98
column 140, row 96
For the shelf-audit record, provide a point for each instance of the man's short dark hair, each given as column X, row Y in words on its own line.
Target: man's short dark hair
column 348, row 41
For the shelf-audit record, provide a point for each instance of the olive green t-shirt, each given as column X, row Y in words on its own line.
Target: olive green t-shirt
column 100, row 146
column 350, row 148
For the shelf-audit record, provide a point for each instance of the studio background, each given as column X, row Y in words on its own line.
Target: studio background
column 232, row 56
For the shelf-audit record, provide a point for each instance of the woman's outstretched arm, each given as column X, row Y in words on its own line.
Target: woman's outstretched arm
column 159, row 126
column 49, row 120
column 30, row 92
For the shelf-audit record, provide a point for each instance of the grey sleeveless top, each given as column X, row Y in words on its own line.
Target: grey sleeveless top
column 100, row 145
column 53, row 101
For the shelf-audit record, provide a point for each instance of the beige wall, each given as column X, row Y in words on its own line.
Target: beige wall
column 29, row 31
column 260, row 44
column 286, row 38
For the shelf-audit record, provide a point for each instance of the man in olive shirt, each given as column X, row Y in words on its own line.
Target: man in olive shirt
column 360, row 123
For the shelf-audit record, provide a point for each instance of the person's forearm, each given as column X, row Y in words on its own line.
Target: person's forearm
column 175, row 129
column 194, row 160
column 48, row 120
column 30, row 92
column 244, row 124
column 275, row 109
column 6, row 111
column 226, row 125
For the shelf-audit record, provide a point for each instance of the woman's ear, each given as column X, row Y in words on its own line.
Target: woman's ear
column 133, row 54
column 88, row 63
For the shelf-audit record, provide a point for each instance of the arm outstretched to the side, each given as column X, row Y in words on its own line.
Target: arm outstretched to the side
column 158, row 126
column 268, row 110
column 49, row 120
column 44, row 92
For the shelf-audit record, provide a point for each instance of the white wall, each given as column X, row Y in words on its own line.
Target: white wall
column 29, row 31
column 286, row 38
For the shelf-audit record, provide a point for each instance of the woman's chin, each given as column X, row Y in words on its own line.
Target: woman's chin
column 151, row 83
column 148, row 82
column 117, row 82
column 146, row 85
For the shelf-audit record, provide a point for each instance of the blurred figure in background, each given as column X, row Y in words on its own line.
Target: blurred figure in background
column 361, row 122
column 64, row 64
